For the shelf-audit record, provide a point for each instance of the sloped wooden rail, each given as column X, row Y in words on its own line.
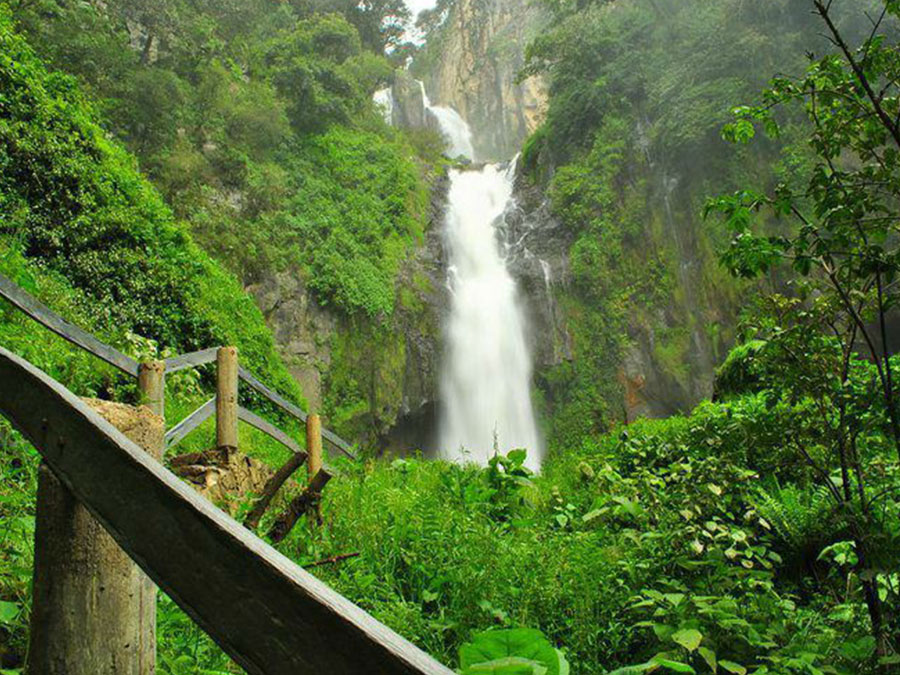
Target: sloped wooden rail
column 68, row 331
column 39, row 312
column 267, row 613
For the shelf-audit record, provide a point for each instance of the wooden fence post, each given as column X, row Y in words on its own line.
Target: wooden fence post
column 227, row 399
column 152, row 386
column 94, row 610
column 314, row 459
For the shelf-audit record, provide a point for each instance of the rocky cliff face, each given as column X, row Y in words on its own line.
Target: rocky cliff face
column 375, row 380
column 669, row 352
column 471, row 64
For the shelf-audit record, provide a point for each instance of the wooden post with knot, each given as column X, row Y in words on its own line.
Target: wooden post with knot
column 94, row 610
column 227, row 399
column 308, row 500
column 314, row 465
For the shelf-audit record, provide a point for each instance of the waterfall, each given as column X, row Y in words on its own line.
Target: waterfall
column 384, row 101
column 486, row 374
column 453, row 127
column 486, row 380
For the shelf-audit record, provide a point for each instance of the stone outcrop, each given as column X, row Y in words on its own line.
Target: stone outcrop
column 471, row 65
column 394, row 361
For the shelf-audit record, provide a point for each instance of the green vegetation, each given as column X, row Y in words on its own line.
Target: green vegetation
column 256, row 123
column 629, row 152
column 757, row 534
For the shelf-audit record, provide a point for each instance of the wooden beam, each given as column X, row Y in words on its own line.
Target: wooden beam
column 267, row 613
column 268, row 428
column 94, row 610
column 189, row 423
column 227, row 398
column 273, row 485
column 152, row 386
column 306, row 502
column 314, row 465
column 68, row 331
column 191, row 360
column 292, row 409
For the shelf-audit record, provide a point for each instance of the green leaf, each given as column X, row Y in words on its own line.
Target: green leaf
column 509, row 665
column 8, row 611
column 733, row 667
column 563, row 663
column 526, row 643
column 677, row 666
column 634, row 670
column 688, row 638
column 710, row 657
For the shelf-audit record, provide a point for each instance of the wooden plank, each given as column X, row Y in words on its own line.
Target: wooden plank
column 273, row 485
column 68, row 331
column 292, row 409
column 189, row 423
column 267, row 427
column 267, row 613
column 227, row 398
column 191, row 360
column 306, row 502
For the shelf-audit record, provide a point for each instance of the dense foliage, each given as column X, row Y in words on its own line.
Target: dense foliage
column 758, row 534
column 75, row 201
column 629, row 152
column 254, row 120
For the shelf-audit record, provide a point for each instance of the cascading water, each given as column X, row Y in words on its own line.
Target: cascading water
column 384, row 101
column 486, row 384
column 486, row 379
column 453, row 127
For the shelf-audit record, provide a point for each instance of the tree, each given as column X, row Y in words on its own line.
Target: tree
column 381, row 23
column 844, row 246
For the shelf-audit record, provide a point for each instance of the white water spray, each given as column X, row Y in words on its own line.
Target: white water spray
column 486, row 383
column 384, row 101
column 453, row 127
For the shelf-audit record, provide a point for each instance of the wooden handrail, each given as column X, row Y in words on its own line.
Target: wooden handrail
column 191, row 360
column 191, row 422
column 266, row 612
column 292, row 409
column 268, row 428
column 68, row 331
column 81, row 338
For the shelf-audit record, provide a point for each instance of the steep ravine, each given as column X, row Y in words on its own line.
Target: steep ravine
column 377, row 379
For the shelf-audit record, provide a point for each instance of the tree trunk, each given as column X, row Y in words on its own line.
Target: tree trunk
column 94, row 611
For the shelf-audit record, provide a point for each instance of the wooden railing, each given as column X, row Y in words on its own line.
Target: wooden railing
column 268, row 614
column 79, row 337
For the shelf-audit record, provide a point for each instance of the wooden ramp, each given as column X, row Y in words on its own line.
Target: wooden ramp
column 267, row 613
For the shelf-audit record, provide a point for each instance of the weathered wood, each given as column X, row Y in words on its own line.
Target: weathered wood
column 306, row 502
column 227, row 397
column 273, row 485
column 276, row 398
column 94, row 610
column 268, row 614
column 152, row 386
column 191, row 360
column 68, row 331
column 189, row 423
column 313, row 445
column 314, row 464
column 268, row 428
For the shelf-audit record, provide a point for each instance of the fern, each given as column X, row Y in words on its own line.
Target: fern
column 800, row 519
